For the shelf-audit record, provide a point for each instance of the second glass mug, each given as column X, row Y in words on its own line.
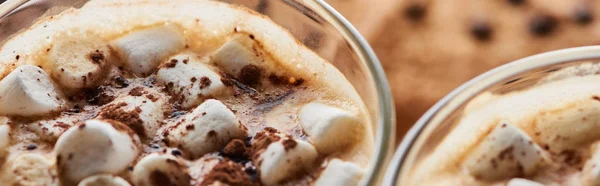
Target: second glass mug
column 313, row 22
column 423, row 138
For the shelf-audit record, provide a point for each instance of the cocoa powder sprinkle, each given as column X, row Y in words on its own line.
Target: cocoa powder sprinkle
column 229, row 173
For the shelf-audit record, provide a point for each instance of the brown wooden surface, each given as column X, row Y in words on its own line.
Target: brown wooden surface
column 429, row 47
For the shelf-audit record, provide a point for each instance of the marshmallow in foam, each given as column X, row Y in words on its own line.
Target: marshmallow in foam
column 329, row 128
column 49, row 130
column 207, row 128
column 30, row 169
column 191, row 79
column 78, row 60
column 237, row 53
column 506, row 152
column 143, row 50
column 166, row 166
column 339, row 172
column 4, row 135
column 522, row 182
column 284, row 158
column 146, row 107
column 103, row 180
column 591, row 171
column 28, row 91
column 93, row 147
column 570, row 126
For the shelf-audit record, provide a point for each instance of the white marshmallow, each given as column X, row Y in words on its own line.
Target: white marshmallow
column 237, row 53
column 103, row 180
column 163, row 166
column 522, row 182
column 206, row 129
column 191, row 79
column 29, row 169
column 96, row 146
column 279, row 162
column 143, row 50
column 573, row 125
column 339, row 172
column 144, row 104
column 51, row 129
column 505, row 152
column 329, row 128
column 4, row 135
column 201, row 167
column 590, row 175
column 28, row 91
column 78, row 60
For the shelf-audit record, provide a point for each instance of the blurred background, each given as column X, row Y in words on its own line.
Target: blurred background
column 430, row 47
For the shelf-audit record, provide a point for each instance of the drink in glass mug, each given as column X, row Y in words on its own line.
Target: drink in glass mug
column 174, row 93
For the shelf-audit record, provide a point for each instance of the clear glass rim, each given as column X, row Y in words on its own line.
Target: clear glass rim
column 386, row 127
column 386, row 115
column 459, row 96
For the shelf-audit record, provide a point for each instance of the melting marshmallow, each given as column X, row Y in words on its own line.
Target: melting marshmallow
column 142, row 110
column 237, row 53
column 4, row 135
column 284, row 158
column 522, row 182
column 103, row 180
column 591, row 170
column 95, row 146
column 506, row 152
column 339, row 172
column 573, row 125
column 206, row 129
column 329, row 128
column 201, row 167
column 50, row 130
column 190, row 79
column 28, row 91
column 78, row 60
column 30, row 169
column 168, row 168
column 143, row 50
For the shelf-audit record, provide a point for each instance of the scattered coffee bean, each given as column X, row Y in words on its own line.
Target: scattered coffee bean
column 516, row 2
column 583, row 16
column 415, row 11
column 542, row 25
column 481, row 31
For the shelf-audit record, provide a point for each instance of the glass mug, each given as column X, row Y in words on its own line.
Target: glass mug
column 314, row 23
column 438, row 122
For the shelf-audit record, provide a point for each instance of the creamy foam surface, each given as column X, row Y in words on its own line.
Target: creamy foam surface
column 90, row 55
column 546, row 134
